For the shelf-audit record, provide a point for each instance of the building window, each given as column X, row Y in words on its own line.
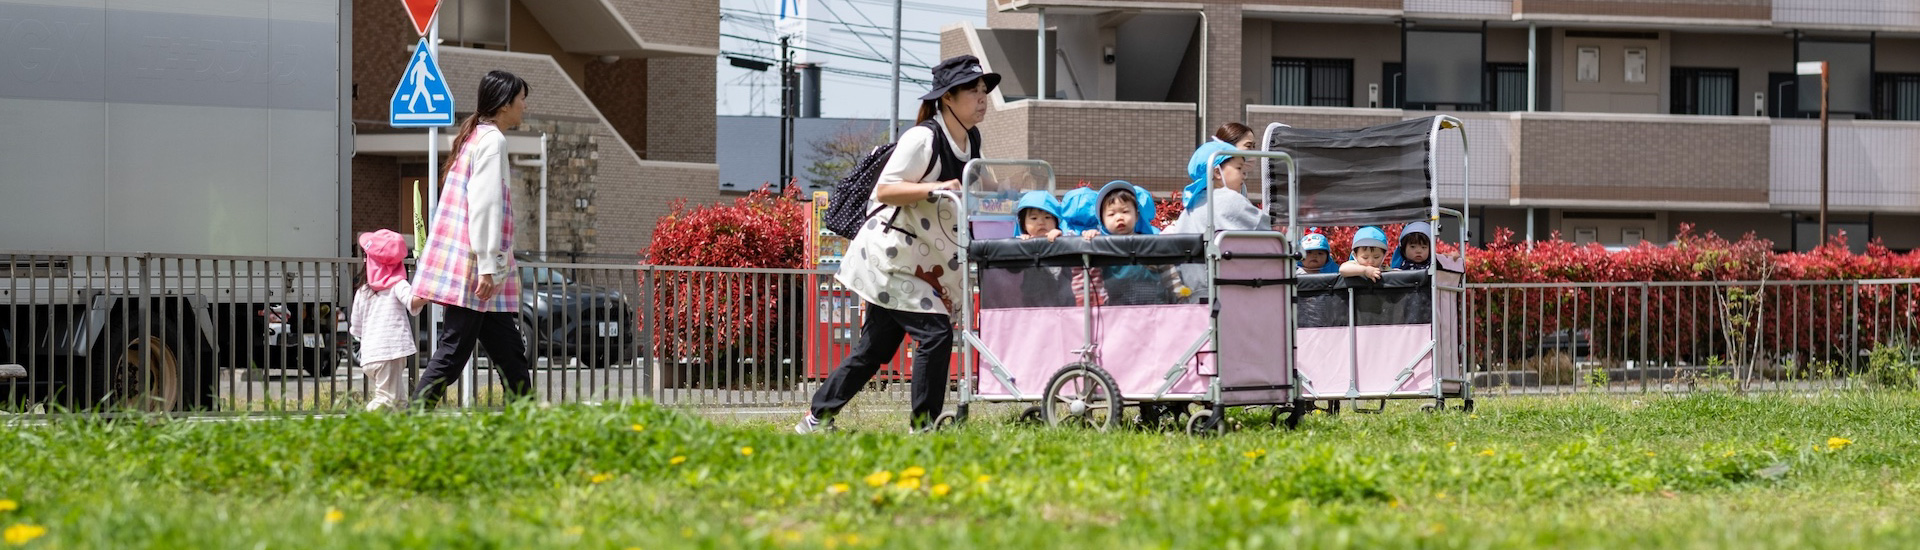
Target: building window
column 1896, row 96
column 1507, row 84
column 1705, row 91
column 1313, row 82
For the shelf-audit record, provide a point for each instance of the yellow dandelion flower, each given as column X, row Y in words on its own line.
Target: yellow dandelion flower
column 334, row 515
column 941, row 490
column 984, row 478
column 602, row 478
column 879, row 479
column 853, row 539
column 8, row 505
column 1651, row 453
column 910, row 483
column 1486, row 452
column 913, row 471
column 686, row 532
column 1472, row 416
column 1452, row 444
column 1728, row 454
column 575, row 531
column 1395, row 503
column 1837, row 443
column 676, row 461
column 21, row 533
column 838, row 488
column 746, row 451
column 1438, row 528
column 1439, row 496
column 639, row 427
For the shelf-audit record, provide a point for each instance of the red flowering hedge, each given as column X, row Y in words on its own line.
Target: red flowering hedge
column 719, row 318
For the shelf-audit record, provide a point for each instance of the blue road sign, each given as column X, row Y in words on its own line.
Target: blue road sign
column 422, row 99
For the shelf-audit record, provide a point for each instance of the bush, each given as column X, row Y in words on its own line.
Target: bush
column 718, row 318
column 1893, row 366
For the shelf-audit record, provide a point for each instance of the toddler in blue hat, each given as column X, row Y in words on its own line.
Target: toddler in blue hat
column 1369, row 254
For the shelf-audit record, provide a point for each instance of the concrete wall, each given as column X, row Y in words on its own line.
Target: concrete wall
column 1369, row 46
column 1759, row 10
column 1686, row 159
column 1612, row 93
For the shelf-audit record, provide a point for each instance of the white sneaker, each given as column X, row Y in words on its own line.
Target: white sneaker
column 811, row 425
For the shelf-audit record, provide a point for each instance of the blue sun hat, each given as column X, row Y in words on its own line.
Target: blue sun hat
column 1080, row 210
column 1316, row 241
column 1368, row 236
column 1038, row 200
column 1142, row 201
column 1198, row 165
column 1423, row 228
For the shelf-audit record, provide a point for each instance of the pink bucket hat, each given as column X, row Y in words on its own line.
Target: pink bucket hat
column 385, row 252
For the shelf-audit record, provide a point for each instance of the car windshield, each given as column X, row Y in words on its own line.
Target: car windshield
column 542, row 276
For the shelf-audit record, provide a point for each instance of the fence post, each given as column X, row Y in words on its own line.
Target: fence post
column 1853, row 326
column 1645, row 289
column 651, row 364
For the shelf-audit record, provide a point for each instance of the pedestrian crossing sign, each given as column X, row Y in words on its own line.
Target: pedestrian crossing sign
column 422, row 99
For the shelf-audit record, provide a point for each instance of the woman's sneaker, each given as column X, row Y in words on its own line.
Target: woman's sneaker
column 811, row 425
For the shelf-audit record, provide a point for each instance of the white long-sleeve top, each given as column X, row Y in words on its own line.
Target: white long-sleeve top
column 383, row 321
column 919, row 273
column 486, row 204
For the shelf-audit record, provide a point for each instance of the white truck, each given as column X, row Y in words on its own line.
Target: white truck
column 148, row 150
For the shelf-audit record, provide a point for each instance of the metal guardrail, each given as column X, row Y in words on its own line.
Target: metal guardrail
column 239, row 335
column 1677, row 336
column 235, row 335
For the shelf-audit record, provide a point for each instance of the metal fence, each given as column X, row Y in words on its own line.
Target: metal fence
column 243, row 335
column 239, row 335
column 1748, row 335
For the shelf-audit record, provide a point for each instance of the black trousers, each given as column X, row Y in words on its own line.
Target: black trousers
column 880, row 338
column 460, row 330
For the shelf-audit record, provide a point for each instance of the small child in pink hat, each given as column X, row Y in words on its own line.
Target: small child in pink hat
column 383, row 311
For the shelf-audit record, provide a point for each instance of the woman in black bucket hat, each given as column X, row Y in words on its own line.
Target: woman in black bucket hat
column 904, row 263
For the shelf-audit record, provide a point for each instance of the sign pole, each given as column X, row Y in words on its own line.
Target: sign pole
column 1823, row 151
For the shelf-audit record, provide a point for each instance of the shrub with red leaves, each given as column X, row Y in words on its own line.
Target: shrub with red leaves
column 720, row 318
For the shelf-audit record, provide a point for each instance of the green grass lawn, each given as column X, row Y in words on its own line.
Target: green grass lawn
column 1773, row 471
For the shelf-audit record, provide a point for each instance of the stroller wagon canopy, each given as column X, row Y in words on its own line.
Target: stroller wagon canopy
column 1362, row 176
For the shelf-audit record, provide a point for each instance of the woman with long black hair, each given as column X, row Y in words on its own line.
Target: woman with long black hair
column 904, row 263
column 468, row 263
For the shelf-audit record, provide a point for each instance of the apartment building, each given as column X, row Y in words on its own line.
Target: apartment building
column 622, row 93
column 1609, row 121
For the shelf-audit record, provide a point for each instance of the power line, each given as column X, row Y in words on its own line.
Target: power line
column 758, row 16
column 759, row 41
column 863, row 15
column 922, row 6
column 863, row 40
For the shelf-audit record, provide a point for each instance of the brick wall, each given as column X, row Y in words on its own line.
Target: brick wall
column 997, row 19
column 1691, row 9
column 1619, row 160
column 680, row 107
column 1004, row 134
column 376, row 194
column 1148, row 147
column 1223, row 65
column 953, row 42
column 1345, row 4
column 382, row 38
column 694, row 23
column 620, row 90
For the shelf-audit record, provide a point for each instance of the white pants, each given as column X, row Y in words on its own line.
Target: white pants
column 388, row 380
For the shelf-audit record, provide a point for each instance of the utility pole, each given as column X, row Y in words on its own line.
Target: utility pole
column 893, row 119
column 786, row 113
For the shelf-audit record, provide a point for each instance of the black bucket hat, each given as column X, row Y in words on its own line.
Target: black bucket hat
column 958, row 71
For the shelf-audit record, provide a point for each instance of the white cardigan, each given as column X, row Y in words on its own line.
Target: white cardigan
column 487, row 203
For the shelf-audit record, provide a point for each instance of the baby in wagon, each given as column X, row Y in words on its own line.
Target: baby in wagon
column 1369, row 254
column 1127, row 210
column 1039, row 216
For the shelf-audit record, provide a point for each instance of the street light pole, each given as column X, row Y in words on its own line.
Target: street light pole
column 1824, row 144
column 1810, row 68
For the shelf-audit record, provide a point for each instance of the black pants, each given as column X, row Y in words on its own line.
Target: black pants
column 461, row 329
column 880, row 338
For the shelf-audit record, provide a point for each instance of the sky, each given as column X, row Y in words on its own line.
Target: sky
column 853, row 39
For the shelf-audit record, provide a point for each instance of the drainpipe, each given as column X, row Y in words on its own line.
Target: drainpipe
column 1200, row 112
column 1529, row 228
column 1040, row 60
column 1533, row 66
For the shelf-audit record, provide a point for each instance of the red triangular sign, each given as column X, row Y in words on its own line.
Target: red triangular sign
column 421, row 11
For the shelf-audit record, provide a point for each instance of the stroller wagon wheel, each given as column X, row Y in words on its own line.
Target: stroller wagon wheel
column 1203, row 423
column 1082, row 393
column 1290, row 416
column 1033, row 416
column 945, row 421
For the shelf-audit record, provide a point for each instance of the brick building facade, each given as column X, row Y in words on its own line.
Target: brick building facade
column 1611, row 119
column 623, row 93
